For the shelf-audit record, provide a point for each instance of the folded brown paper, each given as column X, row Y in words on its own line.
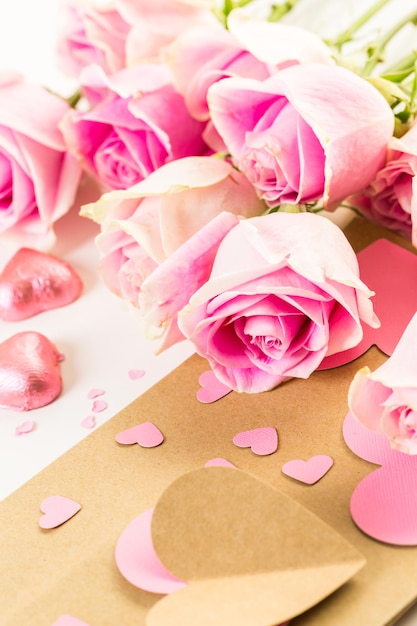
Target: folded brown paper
column 71, row 569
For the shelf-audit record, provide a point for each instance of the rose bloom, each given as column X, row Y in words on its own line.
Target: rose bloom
column 284, row 292
column 308, row 133
column 140, row 123
column 156, row 23
column 38, row 177
column 91, row 33
column 386, row 400
column 391, row 198
column 159, row 238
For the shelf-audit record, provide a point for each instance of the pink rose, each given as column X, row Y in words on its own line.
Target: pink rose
column 159, row 238
column 140, row 124
column 201, row 56
column 307, row 133
column 391, row 198
column 90, row 34
column 156, row 23
column 386, row 400
column 38, row 177
column 284, row 292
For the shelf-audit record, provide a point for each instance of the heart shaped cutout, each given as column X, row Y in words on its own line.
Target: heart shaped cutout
column 57, row 510
column 261, row 441
column 310, row 471
column 240, row 545
column 211, row 388
column 29, row 372
column 147, row 435
column 34, row 281
column 68, row 620
column 137, row 560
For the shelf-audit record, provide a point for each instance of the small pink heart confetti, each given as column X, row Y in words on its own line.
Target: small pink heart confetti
column 262, row 441
column 67, row 620
column 99, row 405
column 88, row 422
column 310, row 471
column 211, row 388
column 146, row 435
column 136, row 374
column 57, row 510
column 219, row 462
column 95, row 393
column 24, row 428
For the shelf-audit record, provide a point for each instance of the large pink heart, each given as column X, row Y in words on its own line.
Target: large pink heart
column 33, row 281
column 29, row 371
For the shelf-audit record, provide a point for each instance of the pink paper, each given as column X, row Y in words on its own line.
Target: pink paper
column 136, row 374
column 389, row 270
column 95, row 393
column 310, row 471
column 262, row 441
column 211, row 388
column 137, row 560
column 219, row 462
column 146, row 435
column 384, row 504
column 67, row 620
column 99, row 406
column 88, row 422
column 57, row 510
column 25, row 428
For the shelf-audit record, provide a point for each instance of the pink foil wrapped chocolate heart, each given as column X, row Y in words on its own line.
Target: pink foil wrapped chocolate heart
column 33, row 282
column 29, row 372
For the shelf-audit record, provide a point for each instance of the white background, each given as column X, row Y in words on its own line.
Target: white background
column 99, row 336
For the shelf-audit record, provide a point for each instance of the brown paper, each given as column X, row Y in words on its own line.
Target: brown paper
column 250, row 554
column 71, row 570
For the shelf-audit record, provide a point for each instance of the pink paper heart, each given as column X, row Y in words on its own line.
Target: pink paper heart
column 25, row 428
column 88, row 422
column 67, row 620
column 34, row 281
column 219, row 462
column 99, row 405
column 146, row 435
column 262, row 441
column 211, row 388
column 57, row 510
column 310, row 471
column 136, row 374
column 29, row 372
column 95, row 393
column 137, row 560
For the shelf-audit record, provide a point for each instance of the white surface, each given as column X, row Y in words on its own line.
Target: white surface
column 100, row 338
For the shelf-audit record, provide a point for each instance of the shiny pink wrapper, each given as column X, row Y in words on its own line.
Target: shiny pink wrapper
column 33, row 282
column 29, row 372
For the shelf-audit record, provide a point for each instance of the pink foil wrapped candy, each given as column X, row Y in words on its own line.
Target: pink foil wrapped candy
column 33, row 282
column 29, row 372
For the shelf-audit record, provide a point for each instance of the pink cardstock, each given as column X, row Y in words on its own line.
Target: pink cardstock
column 219, row 462
column 211, row 388
column 88, row 422
column 261, row 441
column 137, row 561
column 57, row 510
column 310, row 471
column 24, row 428
column 99, row 406
column 95, row 393
column 388, row 270
column 136, row 374
column 384, row 504
column 67, row 620
column 146, row 435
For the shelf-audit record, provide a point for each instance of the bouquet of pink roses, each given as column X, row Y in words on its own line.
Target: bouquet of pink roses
column 216, row 133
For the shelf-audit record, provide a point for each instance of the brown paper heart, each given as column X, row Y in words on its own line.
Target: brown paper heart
column 252, row 556
column 33, row 281
column 29, row 371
